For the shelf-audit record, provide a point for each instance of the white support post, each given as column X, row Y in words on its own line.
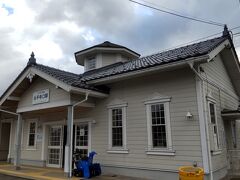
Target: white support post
column 17, row 156
column 68, row 147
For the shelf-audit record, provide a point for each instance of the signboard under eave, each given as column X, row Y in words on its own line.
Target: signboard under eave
column 40, row 97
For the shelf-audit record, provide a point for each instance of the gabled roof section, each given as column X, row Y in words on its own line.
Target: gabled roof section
column 174, row 55
column 66, row 80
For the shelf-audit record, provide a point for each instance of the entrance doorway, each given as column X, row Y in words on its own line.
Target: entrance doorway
column 82, row 134
column 57, row 139
column 5, row 130
column 55, row 146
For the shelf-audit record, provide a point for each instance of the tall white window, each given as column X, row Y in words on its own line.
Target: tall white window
column 91, row 63
column 213, row 126
column 117, row 129
column 32, row 130
column 159, row 128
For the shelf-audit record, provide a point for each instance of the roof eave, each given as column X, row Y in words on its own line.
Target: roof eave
column 202, row 58
column 91, row 92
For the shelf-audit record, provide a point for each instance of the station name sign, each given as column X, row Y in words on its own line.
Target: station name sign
column 40, row 97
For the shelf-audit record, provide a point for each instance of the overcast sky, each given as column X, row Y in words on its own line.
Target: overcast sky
column 55, row 29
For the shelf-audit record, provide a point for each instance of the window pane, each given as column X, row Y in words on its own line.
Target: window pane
column 159, row 136
column 31, row 140
column 31, row 135
column 117, row 136
column 158, row 115
column 82, row 135
column 212, row 113
column 32, row 127
column 55, row 137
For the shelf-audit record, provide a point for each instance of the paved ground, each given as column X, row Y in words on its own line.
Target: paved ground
column 10, row 177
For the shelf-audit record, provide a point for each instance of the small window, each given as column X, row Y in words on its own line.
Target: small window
column 159, row 134
column 32, row 128
column 117, row 129
column 91, row 63
column 159, row 128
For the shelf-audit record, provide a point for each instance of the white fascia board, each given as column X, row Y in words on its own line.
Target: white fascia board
column 218, row 49
column 69, row 88
column 53, row 80
column 156, row 68
column 14, row 86
column 44, row 106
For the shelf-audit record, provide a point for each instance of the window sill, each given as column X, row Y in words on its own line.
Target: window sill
column 217, row 152
column 161, row 152
column 31, row 149
column 118, row 151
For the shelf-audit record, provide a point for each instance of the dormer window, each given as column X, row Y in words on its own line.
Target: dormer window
column 91, row 63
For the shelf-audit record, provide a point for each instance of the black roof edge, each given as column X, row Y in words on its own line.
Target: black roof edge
column 115, row 47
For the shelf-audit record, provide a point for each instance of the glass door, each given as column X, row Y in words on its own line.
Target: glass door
column 82, row 139
column 55, row 147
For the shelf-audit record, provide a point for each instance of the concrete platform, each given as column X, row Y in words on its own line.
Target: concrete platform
column 29, row 172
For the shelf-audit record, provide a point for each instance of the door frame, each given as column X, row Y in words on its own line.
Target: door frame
column 63, row 122
column 58, row 147
column 89, row 148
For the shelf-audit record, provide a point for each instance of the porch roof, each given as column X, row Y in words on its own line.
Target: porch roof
column 229, row 114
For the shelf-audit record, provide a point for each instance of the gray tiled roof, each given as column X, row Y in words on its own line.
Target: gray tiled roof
column 68, row 78
column 178, row 54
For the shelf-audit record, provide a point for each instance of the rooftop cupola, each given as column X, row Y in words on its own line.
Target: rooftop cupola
column 104, row 54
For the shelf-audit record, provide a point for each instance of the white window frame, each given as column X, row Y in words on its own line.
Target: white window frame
column 217, row 150
column 35, row 137
column 168, row 151
column 123, row 149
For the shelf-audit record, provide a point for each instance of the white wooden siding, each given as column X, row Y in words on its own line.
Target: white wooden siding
column 225, row 97
column 55, row 94
column 179, row 85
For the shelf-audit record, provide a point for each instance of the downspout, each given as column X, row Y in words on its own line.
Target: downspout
column 71, row 142
column 205, row 118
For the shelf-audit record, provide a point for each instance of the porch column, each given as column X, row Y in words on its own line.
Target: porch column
column 69, row 144
column 17, row 154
